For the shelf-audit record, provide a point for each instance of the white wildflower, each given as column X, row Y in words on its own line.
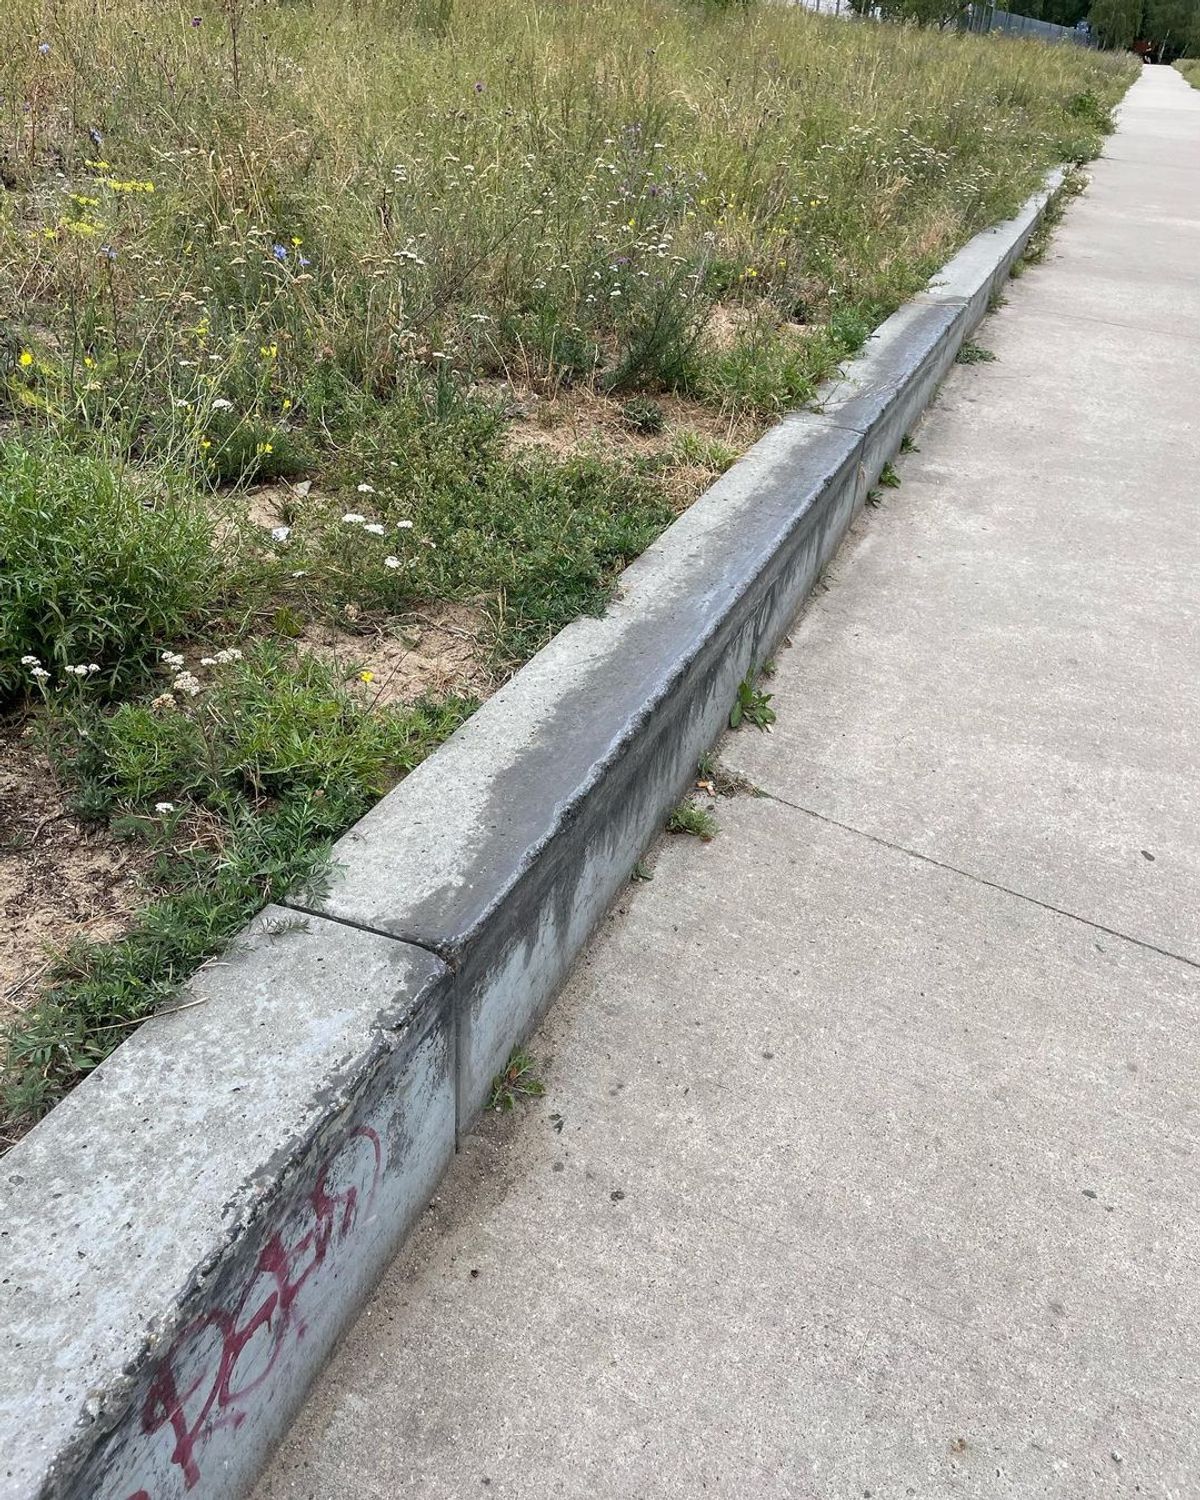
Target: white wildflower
column 38, row 673
column 172, row 658
column 374, row 528
column 220, row 404
column 365, row 489
column 230, row 653
column 352, row 518
column 280, row 533
column 164, row 807
column 187, row 683
column 391, row 562
column 164, row 700
column 404, row 525
column 208, row 661
column 92, row 668
column 30, row 661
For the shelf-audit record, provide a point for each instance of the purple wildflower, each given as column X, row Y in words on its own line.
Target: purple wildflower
column 44, row 48
column 195, row 20
column 480, row 85
column 279, row 251
column 108, row 252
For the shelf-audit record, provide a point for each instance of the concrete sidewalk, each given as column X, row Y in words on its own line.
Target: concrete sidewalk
column 868, row 1160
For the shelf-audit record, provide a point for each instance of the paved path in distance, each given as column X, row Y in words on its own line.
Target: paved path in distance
column 868, row 1163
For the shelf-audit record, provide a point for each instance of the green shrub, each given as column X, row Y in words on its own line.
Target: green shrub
column 643, row 415
column 95, row 567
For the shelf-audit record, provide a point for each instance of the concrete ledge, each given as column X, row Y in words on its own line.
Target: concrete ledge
column 184, row 1238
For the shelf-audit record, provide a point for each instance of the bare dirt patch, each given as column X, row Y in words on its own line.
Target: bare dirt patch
column 58, row 880
column 433, row 650
column 585, row 421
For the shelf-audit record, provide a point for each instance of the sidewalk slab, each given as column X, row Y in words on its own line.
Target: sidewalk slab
column 816, row 1204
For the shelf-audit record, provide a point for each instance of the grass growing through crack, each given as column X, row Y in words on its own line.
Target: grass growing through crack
column 518, row 1080
column 348, row 261
column 969, row 354
column 693, row 820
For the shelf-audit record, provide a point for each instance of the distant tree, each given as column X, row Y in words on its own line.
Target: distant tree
column 1170, row 25
column 1116, row 22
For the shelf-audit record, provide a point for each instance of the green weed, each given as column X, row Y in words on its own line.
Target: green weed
column 688, row 818
column 974, row 354
column 643, row 415
column 751, row 706
column 518, row 1080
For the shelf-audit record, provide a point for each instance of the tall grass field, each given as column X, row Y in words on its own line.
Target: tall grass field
column 331, row 328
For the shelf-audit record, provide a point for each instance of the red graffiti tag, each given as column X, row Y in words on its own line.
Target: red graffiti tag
column 222, row 1357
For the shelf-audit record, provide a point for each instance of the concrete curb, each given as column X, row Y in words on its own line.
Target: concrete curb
column 187, row 1234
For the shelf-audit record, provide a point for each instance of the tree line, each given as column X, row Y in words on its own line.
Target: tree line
column 1163, row 29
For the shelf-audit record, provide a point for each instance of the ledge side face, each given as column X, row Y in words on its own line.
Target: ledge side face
column 185, row 1235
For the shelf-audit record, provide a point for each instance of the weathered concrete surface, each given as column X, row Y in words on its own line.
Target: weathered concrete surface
column 857, row 1173
column 184, row 1237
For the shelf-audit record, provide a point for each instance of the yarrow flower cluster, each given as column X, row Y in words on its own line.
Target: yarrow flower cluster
column 377, row 528
column 40, row 673
column 185, row 681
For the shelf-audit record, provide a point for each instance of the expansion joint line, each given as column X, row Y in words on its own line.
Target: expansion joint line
column 993, row 885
